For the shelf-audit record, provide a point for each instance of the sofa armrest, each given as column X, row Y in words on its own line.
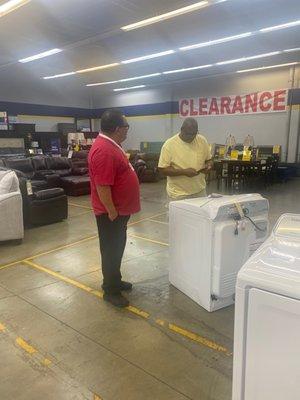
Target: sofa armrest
column 10, row 195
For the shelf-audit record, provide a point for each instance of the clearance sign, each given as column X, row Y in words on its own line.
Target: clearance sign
column 253, row 103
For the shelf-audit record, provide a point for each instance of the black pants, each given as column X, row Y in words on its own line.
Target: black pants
column 112, row 237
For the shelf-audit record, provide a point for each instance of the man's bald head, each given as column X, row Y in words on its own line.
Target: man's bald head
column 189, row 130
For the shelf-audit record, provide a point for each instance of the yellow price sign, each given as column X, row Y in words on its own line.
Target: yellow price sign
column 221, row 151
column 276, row 149
column 234, row 155
column 246, row 155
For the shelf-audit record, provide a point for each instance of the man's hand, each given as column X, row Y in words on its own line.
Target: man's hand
column 113, row 214
column 190, row 172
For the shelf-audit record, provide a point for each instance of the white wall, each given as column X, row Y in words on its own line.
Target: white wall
column 44, row 123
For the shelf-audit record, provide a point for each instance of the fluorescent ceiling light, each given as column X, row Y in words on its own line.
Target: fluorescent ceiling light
column 217, row 41
column 11, row 5
column 59, row 75
column 292, row 50
column 139, row 77
column 274, row 53
column 282, row 26
column 129, row 88
column 102, row 83
column 40, row 55
column 175, row 71
column 82, row 71
column 168, row 15
column 237, row 60
column 155, row 55
column 269, row 67
column 125, row 80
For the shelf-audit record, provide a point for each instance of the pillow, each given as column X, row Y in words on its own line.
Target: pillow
column 7, row 181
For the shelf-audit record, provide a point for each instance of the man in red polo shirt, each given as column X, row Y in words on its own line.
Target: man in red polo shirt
column 115, row 196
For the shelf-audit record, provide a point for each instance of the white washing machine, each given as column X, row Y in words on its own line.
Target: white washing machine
column 210, row 240
column 267, row 318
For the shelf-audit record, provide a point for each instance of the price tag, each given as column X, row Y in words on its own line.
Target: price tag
column 246, row 155
column 234, row 155
column 221, row 151
column 70, row 154
column 276, row 149
column 29, row 188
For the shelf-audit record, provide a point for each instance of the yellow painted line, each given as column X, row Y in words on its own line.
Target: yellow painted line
column 199, row 339
column 46, row 362
column 134, row 310
column 25, row 346
column 138, row 312
column 146, row 219
column 79, row 205
column 158, row 222
column 96, row 397
column 2, row 328
column 148, row 240
column 63, row 278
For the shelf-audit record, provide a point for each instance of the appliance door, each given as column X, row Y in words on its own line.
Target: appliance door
column 272, row 361
column 230, row 252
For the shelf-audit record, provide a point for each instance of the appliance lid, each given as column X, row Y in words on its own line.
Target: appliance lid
column 215, row 206
column 288, row 227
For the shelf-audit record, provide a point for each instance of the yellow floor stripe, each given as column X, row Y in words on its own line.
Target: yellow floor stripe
column 134, row 310
column 64, row 278
column 2, row 327
column 79, row 205
column 158, row 222
column 96, row 397
column 198, row 339
column 146, row 219
column 25, row 346
column 47, row 362
column 148, row 240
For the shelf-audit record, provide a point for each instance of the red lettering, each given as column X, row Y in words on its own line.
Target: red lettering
column 184, row 112
column 214, row 109
column 202, row 106
column 192, row 110
column 237, row 105
column 225, row 105
column 264, row 97
column 251, row 102
column 279, row 97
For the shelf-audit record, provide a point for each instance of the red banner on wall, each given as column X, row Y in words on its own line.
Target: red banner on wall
column 253, row 103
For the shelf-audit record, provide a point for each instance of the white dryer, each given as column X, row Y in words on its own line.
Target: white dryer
column 267, row 318
column 210, row 240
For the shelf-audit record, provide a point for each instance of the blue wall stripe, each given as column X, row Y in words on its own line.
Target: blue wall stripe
column 169, row 107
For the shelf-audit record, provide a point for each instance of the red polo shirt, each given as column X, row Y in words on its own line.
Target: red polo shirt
column 109, row 166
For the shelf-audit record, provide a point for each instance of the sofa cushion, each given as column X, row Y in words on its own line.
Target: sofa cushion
column 39, row 163
column 58, row 163
column 21, row 164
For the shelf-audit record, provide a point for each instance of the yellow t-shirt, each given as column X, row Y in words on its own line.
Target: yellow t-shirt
column 181, row 155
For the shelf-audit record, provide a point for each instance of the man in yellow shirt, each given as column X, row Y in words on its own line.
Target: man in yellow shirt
column 184, row 159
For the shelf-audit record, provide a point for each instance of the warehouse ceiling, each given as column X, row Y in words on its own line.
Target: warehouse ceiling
column 89, row 34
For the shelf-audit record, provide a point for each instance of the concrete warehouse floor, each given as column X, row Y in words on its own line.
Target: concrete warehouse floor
column 59, row 340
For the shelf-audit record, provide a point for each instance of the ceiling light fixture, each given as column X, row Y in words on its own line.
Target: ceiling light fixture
column 237, row 60
column 217, row 41
column 129, row 88
column 282, row 26
column 125, row 79
column 168, row 15
column 83, row 71
column 40, row 55
column 101, row 83
column 292, row 50
column 175, row 71
column 59, row 75
column 269, row 67
column 148, row 57
column 11, row 5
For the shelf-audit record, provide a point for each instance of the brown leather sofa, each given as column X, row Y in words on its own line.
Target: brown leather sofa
column 74, row 180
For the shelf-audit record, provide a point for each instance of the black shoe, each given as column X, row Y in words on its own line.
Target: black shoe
column 116, row 299
column 126, row 286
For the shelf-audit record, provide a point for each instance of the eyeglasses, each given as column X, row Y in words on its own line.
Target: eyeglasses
column 125, row 126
